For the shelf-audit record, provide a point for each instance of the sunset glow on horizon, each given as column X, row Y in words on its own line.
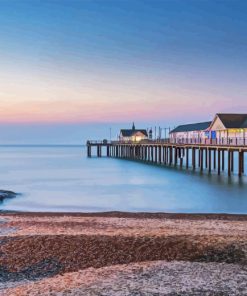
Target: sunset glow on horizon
column 119, row 61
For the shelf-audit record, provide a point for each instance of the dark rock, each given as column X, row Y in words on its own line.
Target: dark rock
column 7, row 194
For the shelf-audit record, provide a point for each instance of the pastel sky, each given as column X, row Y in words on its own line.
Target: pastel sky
column 87, row 62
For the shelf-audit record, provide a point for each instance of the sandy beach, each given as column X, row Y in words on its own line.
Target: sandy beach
column 123, row 254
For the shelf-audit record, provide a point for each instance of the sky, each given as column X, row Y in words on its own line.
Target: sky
column 73, row 69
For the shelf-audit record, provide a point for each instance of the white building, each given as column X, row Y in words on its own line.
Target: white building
column 229, row 129
column 133, row 135
column 190, row 133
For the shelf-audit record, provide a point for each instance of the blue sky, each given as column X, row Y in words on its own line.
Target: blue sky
column 81, row 63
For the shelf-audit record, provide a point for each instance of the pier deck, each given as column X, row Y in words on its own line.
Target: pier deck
column 206, row 156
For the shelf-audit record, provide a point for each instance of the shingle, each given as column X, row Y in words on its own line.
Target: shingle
column 233, row 120
column 130, row 132
column 200, row 126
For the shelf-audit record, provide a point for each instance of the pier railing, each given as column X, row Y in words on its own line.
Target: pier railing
column 215, row 142
column 186, row 141
column 183, row 141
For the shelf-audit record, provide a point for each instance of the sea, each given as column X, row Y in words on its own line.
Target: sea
column 63, row 179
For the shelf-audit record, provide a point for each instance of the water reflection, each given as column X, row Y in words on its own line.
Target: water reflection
column 63, row 179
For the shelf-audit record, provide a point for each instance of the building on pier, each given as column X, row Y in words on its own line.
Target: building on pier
column 191, row 133
column 229, row 128
column 133, row 135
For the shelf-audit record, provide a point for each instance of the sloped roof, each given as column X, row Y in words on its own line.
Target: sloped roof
column 233, row 120
column 131, row 132
column 200, row 126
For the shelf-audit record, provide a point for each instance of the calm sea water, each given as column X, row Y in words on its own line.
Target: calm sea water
column 63, row 179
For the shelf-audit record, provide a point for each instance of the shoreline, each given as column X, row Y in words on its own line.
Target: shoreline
column 136, row 215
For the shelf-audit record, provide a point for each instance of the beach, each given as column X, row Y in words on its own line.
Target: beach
column 123, row 148
column 119, row 253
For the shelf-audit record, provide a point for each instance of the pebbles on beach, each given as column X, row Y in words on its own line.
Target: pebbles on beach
column 47, row 224
column 144, row 279
column 78, row 255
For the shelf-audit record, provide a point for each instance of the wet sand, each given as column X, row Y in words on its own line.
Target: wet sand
column 122, row 254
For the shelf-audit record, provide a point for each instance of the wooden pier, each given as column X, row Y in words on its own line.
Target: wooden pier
column 203, row 156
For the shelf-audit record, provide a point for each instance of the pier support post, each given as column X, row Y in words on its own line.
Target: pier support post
column 160, row 160
column 223, row 160
column 187, row 157
column 232, row 161
column 156, row 153
column 239, row 163
column 194, row 158
column 209, row 160
column 242, row 161
column 170, row 155
column 218, row 161
column 181, row 153
column 176, row 156
column 201, row 159
column 229, row 162
column 88, row 151
column 214, row 159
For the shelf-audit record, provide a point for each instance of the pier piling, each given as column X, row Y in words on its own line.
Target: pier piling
column 209, row 156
